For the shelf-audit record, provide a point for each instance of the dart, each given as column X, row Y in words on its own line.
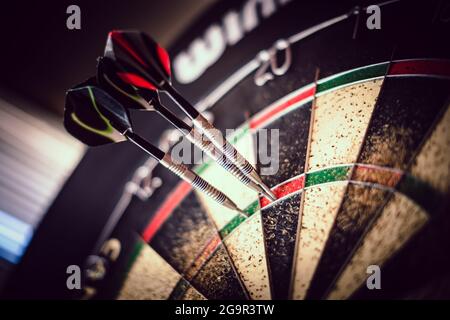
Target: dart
column 126, row 94
column 146, row 66
column 95, row 118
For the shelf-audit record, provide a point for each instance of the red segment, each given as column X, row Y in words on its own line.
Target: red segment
column 210, row 247
column 136, row 80
column 378, row 175
column 285, row 189
column 204, row 255
column 424, row 67
column 164, row 211
column 164, row 58
column 118, row 37
column 260, row 119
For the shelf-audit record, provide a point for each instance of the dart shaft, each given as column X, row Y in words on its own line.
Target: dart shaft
column 144, row 145
column 182, row 171
column 206, row 146
column 170, row 116
column 185, row 105
column 210, row 132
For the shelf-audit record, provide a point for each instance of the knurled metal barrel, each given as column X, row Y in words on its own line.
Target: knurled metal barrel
column 197, row 182
column 209, row 148
column 222, row 144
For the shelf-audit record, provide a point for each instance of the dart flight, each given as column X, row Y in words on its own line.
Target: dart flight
column 95, row 118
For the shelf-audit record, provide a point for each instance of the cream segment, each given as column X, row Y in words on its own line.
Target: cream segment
column 151, row 278
column 246, row 248
column 319, row 212
column 341, row 118
column 432, row 165
column 230, row 185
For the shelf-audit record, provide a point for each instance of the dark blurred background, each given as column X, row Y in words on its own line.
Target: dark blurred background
column 40, row 58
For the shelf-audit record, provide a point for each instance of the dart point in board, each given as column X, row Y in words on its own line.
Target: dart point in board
column 145, row 65
column 95, row 118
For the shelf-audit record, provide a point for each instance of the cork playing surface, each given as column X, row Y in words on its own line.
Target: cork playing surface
column 356, row 159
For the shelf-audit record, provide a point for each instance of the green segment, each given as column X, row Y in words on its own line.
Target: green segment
column 368, row 72
column 252, row 208
column 318, row 177
column 134, row 254
column 236, row 221
column 237, row 135
column 327, row 175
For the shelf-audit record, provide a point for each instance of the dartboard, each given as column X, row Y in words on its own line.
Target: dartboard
column 363, row 166
column 348, row 125
column 347, row 197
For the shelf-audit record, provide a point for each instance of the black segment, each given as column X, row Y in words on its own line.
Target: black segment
column 406, row 108
column 183, row 236
column 217, row 279
column 283, row 158
column 280, row 232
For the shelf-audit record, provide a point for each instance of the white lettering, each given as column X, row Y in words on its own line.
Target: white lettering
column 202, row 53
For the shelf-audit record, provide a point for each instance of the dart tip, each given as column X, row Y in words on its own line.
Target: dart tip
column 269, row 195
column 265, row 190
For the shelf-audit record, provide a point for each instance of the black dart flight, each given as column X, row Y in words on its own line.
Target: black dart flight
column 95, row 118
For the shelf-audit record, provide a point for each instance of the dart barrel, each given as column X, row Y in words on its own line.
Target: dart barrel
column 197, row 182
column 209, row 148
column 220, row 142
